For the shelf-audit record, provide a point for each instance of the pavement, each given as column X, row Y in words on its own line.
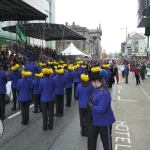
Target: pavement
column 130, row 103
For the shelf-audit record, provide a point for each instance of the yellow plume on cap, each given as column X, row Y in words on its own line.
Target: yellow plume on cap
column 60, row 71
column 60, row 66
column 84, row 77
column 76, row 66
column 64, row 65
column 55, row 67
column 84, row 66
column 39, row 75
column 14, row 68
column 70, row 68
column 70, row 64
column 79, row 62
column 26, row 73
column 47, row 71
column 106, row 65
column 61, row 61
column 42, row 64
column 49, row 62
column 55, row 63
column 95, row 69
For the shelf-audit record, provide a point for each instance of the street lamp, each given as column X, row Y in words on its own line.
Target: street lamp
column 126, row 33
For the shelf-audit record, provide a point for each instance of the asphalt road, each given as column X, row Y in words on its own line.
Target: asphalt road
column 130, row 103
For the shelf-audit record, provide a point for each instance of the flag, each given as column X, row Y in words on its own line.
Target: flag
column 20, row 34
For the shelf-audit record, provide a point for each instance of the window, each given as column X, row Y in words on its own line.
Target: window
column 136, row 49
column 136, row 42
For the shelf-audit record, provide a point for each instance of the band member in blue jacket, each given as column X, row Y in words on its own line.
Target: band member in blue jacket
column 3, row 81
column 102, row 114
column 83, row 92
column 68, row 85
column 36, row 92
column 59, row 92
column 76, row 78
column 24, row 97
column 46, row 87
column 14, row 76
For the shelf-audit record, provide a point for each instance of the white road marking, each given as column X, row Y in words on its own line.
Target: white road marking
column 17, row 113
column 128, row 100
column 144, row 92
column 118, row 97
column 118, row 91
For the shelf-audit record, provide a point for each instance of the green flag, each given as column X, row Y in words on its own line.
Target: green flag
column 21, row 36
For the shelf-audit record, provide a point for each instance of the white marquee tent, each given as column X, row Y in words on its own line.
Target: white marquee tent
column 72, row 50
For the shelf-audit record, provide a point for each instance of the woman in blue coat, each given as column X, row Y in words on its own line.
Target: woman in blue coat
column 24, row 97
column 14, row 76
column 36, row 92
column 102, row 114
column 68, row 85
column 59, row 92
column 83, row 92
column 46, row 87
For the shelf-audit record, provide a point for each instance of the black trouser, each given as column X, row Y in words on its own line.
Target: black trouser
column 137, row 79
column 48, row 114
column 123, row 74
column 14, row 92
column 25, row 111
column 59, row 99
column 68, row 96
column 37, row 102
column 126, row 78
column 105, row 134
column 2, row 106
column 84, row 119
column 142, row 76
column 75, row 86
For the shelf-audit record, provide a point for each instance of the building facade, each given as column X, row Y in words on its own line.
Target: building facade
column 8, row 39
column 136, row 45
column 92, row 45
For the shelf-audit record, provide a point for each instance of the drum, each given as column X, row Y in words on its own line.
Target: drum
column 121, row 67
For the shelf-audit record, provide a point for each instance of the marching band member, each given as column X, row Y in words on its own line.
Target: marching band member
column 24, row 97
column 14, row 76
column 68, row 85
column 46, row 87
column 76, row 78
column 59, row 92
column 36, row 92
column 3, row 81
column 83, row 92
column 102, row 114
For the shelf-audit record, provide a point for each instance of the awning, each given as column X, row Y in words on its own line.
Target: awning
column 18, row 10
column 50, row 31
column 145, row 22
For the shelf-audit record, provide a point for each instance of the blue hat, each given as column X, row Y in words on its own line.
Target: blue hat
column 30, row 59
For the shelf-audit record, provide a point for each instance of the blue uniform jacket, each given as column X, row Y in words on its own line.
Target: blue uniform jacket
column 84, row 71
column 46, row 87
column 35, row 86
column 68, row 79
column 59, row 85
column 24, row 89
column 52, row 75
column 126, row 70
column 32, row 68
column 76, row 76
column 102, row 113
column 84, row 93
column 3, row 81
column 14, row 77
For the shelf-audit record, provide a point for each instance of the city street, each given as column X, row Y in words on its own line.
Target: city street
column 130, row 103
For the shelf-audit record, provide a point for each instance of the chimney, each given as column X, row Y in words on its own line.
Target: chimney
column 73, row 24
column 66, row 23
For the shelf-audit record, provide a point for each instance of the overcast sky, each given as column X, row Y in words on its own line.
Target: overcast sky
column 111, row 14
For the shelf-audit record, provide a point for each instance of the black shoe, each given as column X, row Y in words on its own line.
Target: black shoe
column 3, row 118
column 14, row 109
column 67, row 105
column 82, row 133
column 61, row 115
column 40, row 110
column 27, row 122
column 35, row 111
column 23, row 123
column 56, row 115
column 44, row 129
column 50, row 128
